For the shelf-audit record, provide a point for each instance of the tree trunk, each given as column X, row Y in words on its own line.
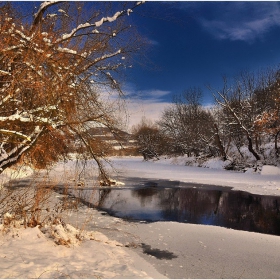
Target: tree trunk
column 250, row 147
column 219, row 143
column 257, row 142
column 276, row 144
column 238, row 149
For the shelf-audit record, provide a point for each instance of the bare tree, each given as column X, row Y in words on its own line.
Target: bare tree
column 236, row 103
column 188, row 124
column 55, row 73
column 151, row 143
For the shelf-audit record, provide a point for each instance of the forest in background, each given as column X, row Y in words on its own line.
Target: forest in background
column 242, row 127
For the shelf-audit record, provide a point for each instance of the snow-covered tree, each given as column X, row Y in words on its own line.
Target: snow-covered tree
column 188, row 124
column 267, row 121
column 237, row 103
column 245, row 102
column 56, row 70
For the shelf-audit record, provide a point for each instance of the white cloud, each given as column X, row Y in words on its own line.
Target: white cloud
column 150, row 109
column 137, row 109
column 136, row 104
column 146, row 103
column 153, row 94
column 243, row 21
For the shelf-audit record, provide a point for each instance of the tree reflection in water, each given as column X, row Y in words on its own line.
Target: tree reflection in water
column 145, row 195
column 198, row 204
column 231, row 209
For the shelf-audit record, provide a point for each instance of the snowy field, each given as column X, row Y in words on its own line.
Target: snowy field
column 267, row 182
column 87, row 253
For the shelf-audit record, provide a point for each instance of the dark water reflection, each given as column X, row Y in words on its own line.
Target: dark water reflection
column 196, row 204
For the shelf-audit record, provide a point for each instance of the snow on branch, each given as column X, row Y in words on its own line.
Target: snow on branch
column 118, row 14
column 15, row 117
column 13, row 48
column 103, row 57
column 4, row 73
column 8, row 158
column 66, row 50
column 5, row 99
column 87, row 25
column 43, row 7
column 44, row 109
column 227, row 105
column 27, row 118
column 16, row 133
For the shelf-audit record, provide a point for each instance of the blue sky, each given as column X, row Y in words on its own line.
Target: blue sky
column 196, row 43
column 193, row 44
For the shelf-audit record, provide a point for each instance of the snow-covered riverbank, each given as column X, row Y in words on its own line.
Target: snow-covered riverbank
column 208, row 251
column 28, row 253
column 266, row 183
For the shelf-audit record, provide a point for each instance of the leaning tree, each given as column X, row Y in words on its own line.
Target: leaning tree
column 56, row 72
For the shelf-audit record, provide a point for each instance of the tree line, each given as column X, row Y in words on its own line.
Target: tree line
column 245, row 118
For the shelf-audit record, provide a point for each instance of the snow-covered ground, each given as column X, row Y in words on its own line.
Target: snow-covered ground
column 31, row 252
column 267, row 182
column 28, row 253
